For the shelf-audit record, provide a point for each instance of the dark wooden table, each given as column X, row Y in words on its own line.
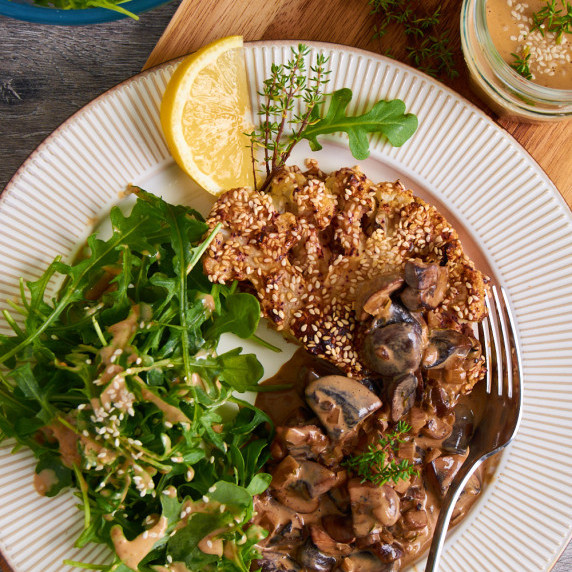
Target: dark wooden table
column 49, row 72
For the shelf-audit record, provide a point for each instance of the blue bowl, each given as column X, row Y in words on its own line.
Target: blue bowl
column 24, row 10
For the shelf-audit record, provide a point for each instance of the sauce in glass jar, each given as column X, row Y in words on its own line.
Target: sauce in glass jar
column 513, row 33
column 491, row 32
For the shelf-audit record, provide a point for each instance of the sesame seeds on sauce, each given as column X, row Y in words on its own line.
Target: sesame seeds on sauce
column 307, row 245
column 510, row 26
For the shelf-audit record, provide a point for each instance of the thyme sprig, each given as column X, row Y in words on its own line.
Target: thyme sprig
column 428, row 50
column 552, row 19
column 292, row 110
column 281, row 129
column 378, row 464
column 521, row 63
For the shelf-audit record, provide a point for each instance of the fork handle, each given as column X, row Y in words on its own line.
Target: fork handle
column 447, row 508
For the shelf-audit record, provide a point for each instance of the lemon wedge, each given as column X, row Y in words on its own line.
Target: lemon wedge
column 205, row 113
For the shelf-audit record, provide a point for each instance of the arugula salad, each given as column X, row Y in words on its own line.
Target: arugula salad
column 117, row 388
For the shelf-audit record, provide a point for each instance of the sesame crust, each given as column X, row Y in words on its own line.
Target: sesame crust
column 306, row 246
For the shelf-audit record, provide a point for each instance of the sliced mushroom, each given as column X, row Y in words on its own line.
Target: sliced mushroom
column 406, row 450
column 373, row 296
column 373, row 507
column 442, row 471
column 468, row 496
column 387, row 552
column 278, row 562
column 397, row 313
column 307, row 441
column 417, row 419
column 328, row 545
column 401, row 393
column 340, row 403
column 299, row 484
column 414, row 498
column 317, row 478
column 285, row 526
column 426, row 285
column 441, row 400
column 446, row 349
column 421, row 275
column 365, row 561
column 415, row 519
column 341, row 499
column 339, row 528
column 394, row 349
column 289, row 488
column 437, row 428
column 462, row 432
column 314, row 559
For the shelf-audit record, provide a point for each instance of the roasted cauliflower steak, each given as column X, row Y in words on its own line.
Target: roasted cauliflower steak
column 306, row 246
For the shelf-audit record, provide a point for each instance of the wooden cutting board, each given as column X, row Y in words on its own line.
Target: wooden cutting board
column 350, row 22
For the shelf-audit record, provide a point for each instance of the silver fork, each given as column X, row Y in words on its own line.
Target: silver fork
column 503, row 410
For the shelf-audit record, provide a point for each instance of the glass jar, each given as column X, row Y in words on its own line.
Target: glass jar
column 501, row 87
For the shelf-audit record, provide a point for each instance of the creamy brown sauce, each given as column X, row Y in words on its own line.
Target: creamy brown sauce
column 44, row 481
column 131, row 552
column 172, row 414
column 67, row 441
column 286, row 407
column 510, row 30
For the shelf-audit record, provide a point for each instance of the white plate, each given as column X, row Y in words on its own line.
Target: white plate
column 514, row 221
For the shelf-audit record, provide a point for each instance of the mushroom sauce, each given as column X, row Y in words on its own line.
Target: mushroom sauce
column 320, row 512
column 374, row 284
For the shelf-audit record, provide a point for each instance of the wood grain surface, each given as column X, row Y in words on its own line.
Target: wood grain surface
column 49, row 72
column 350, row 22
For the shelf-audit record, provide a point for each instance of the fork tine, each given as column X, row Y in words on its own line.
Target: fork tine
column 512, row 347
column 496, row 358
column 485, row 339
column 504, row 341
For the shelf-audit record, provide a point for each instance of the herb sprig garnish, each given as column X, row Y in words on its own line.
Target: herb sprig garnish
column 281, row 128
column 521, row 63
column 554, row 19
column 287, row 84
column 428, row 50
column 378, row 464
column 123, row 366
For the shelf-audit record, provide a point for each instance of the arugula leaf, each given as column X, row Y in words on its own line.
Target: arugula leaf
column 28, row 385
column 231, row 494
column 259, row 483
column 386, row 117
column 240, row 371
column 239, row 314
column 183, row 546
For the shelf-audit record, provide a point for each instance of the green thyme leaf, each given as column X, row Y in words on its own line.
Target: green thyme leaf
column 378, row 464
column 521, row 63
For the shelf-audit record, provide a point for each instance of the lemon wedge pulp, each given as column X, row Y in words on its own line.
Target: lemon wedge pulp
column 205, row 113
